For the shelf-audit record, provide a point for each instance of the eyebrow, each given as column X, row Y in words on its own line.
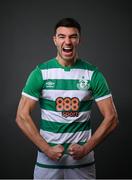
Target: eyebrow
column 60, row 34
column 65, row 35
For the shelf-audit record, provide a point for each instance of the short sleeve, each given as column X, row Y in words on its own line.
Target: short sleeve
column 33, row 85
column 100, row 88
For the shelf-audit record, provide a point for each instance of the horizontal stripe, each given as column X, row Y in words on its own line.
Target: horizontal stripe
column 65, row 145
column 63, row 166
column 61, row 84
column 57, row 127
column 54, row 94
column 51, row 105
column 103, row 97
column 59, row 73
column 61, row 138
column 79, row 64
column 57, row 116
column 66, row 159
column 29, row 96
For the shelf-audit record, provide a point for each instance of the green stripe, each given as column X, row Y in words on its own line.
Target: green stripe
column 61, row 84
column 51, row 105
column 80, row 64
column 64, row 166
column 57, row 127
column 65, row 145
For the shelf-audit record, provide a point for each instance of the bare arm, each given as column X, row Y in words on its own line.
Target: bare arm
column 26, row 124
column 108, row 124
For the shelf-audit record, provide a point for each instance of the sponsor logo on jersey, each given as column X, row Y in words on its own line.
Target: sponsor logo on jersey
column 83, row 84
column 68, row 106
column 50, row 84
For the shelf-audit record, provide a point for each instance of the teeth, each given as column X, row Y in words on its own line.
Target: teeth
column 67, row 48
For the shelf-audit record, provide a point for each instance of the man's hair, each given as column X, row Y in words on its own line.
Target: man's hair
column 68, row 22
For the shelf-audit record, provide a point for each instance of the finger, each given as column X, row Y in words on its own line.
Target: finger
column 59, row 156
column 61, row 148
column 71, row 153
column 72, row 148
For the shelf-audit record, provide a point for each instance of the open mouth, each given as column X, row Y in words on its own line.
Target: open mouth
column 67, row 49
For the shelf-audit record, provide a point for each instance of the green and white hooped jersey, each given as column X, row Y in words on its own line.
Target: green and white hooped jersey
column 66, row 95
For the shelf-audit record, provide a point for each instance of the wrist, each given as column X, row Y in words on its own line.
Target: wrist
column 46, row 148
column 86, row 149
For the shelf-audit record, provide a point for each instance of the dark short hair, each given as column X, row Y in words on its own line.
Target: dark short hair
column 68, row 22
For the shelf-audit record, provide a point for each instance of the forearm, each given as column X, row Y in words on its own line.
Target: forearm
column 105, row 128
column 28, row 127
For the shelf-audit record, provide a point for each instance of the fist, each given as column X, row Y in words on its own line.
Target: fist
column 76, row 151
column 55, row 152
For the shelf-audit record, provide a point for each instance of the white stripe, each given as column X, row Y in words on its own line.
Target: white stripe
column 59, row 73
column 60, row 138
column 57, row 116
column 29, row 96
column 53, row 94
column 104, row 97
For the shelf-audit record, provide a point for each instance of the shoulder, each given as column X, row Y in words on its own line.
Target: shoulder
column 46, row 64
column 85, row 64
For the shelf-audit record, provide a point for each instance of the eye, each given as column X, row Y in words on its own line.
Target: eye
column 61, row 37
column 74, row 37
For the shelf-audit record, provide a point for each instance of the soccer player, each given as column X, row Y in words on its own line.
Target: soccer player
column 66, row 86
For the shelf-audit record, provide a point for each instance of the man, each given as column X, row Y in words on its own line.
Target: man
column 66, row 86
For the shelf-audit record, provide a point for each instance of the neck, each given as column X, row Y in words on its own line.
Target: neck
column 64, row 62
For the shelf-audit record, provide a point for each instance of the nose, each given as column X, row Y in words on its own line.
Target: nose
column 67, row 40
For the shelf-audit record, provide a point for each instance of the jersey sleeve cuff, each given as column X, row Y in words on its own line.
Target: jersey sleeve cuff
column 29, row 96
column 103, row 97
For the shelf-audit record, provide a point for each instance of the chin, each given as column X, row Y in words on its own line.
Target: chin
column 68, row 58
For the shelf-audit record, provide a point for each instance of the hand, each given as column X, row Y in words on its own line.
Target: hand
column 76, row 151
column 55, row 152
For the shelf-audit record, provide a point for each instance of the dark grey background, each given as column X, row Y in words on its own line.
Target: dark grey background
column 26, row 29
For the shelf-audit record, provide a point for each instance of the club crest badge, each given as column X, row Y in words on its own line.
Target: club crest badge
column 83, row 84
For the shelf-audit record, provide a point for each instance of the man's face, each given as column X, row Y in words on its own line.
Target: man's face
column 66, row 40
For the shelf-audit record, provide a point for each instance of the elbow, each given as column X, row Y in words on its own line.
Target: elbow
column 19, row 118
column 114, row 121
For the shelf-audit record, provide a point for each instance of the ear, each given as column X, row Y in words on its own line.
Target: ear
column 54, row 40
column 80, row 39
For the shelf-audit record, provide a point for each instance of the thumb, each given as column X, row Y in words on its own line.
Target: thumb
column 60, row 147
column 71, row 148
